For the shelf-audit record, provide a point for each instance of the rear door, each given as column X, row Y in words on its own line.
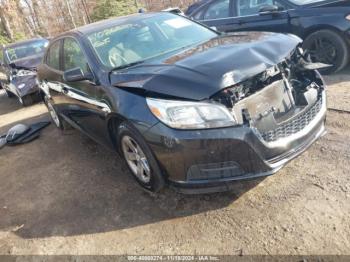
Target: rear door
column 83, row 107
column 51, row 75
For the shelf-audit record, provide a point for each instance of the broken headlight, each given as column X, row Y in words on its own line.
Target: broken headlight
column 191, row 115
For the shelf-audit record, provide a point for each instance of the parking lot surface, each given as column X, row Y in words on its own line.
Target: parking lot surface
column 64, row 194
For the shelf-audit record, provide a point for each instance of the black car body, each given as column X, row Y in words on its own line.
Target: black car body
column 18, row 67
column 324, row 25
column 199, row 117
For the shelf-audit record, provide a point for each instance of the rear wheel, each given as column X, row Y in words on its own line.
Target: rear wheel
column 327, row 46
column 139, row 158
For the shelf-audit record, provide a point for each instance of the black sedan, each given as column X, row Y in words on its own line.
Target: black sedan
column 18, row 65
column 323, row 24
column 184, row 105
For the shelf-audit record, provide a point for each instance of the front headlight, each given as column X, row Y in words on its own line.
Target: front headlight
column 191, row 115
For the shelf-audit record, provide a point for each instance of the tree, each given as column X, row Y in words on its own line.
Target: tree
column 5, row 21
column 27, row 23
column 110, row 8
column 68, row 4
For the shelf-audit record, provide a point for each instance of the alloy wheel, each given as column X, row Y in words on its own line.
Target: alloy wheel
column 136, row 159
column 322, row 50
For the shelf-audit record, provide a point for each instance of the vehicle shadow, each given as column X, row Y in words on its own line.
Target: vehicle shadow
column 64, row 184
column 340, row 77
column 8, row 105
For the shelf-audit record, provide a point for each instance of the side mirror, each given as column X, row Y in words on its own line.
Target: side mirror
column 76, row 75
column 270, row 9
column 174, row 10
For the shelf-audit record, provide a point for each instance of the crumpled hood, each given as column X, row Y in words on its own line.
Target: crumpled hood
column 202, row 71
column 29, row 62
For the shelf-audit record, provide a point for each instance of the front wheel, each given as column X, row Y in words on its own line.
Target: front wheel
column 327, row 46
column 139, row 158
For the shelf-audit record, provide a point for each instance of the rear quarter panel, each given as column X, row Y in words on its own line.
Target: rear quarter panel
column 307, row 20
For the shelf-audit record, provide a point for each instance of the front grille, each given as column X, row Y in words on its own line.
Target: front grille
column 295, row 125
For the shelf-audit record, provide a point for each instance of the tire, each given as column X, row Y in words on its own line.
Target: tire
column 26, row 100
column 56, row 119
column 328, row 47
column 152, row 180
column 9, row 94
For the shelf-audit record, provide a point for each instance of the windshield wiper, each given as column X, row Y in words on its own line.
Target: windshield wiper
column 128, row 65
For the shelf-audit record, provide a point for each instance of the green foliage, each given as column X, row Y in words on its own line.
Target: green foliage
column 19, row 36
column 4, row 40
column 110, row 8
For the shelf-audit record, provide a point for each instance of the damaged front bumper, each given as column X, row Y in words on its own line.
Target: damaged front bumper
column 205, row 161
column 23, row 86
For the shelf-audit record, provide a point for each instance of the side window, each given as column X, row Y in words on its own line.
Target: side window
column 218, row 9
column 252, row 7
column 73, row 56
column 53, row 55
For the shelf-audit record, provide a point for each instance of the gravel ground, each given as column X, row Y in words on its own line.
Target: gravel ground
column 64, row 194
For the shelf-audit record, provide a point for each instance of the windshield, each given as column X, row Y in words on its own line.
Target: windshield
column 139, row 39
column 25, row 50
column 305, row 2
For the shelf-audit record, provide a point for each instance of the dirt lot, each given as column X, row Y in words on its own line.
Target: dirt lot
column 64, row 194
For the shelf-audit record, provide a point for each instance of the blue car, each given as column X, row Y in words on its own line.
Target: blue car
column 323, row 25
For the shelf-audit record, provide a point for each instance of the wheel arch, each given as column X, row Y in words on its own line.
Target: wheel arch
column 341, row 42
column 320, row 27
column 113, row 122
